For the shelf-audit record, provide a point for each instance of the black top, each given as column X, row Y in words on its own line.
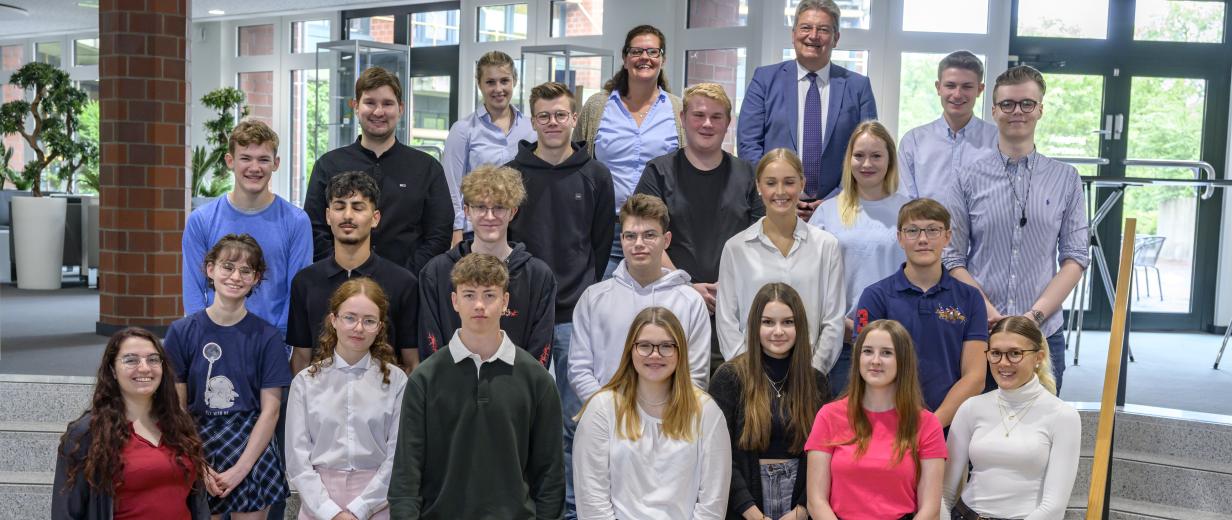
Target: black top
column 532, row 302
column 313, row 285
column 416, row 209
column 728, row 393
column 568, row 221
column 780, row 441
column 705, row 207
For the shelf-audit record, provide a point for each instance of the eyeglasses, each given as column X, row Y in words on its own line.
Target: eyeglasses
column 913, row 233
column 651, row 52
column 131, row 361
column 648, row 236
column 227, row 269
column 560, row 116
column 1015, row 356
column 497, row 211
column 824, row 30
column 369, row 324
column 1027, row 105
column 645, row 348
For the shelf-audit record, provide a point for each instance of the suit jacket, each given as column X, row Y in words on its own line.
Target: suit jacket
column 768, row 116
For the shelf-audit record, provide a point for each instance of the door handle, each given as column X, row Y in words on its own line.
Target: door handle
column 1118, row 127
column 1106, row 131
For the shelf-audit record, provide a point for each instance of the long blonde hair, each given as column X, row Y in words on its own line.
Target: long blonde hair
column 908, row 398
column 1025, row 327
column 849, row 197
column 682, row 417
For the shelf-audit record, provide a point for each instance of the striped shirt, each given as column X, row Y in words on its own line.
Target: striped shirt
column 1013, row 263
column 931, row 155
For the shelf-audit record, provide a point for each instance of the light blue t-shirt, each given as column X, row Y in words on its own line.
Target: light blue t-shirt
column 870, row 245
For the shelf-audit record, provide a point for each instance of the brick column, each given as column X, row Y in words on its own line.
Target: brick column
column 143, row 201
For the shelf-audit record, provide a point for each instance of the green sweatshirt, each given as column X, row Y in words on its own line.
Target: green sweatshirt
column 486, row 447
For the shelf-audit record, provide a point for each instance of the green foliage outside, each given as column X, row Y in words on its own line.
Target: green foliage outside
column 210, row 177
column 87, row 182
column 317, row 144
column 55, row 112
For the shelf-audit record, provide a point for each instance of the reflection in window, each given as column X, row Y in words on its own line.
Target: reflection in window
column 587, row 75
column 430, row 113
column 918, row 103
column 375, row 28
column 727, row 68
column 855, row 61
column 434, row 28
column 854, row 14
column 1179, row 21
column 947, row 16
column 718, row 13
column 498, row 23
column 306, row 35
column 256, row 40
column 11, row 58
column 85, row 52
column 577, row 18
column 1073, row 108
column 258, row 90
column 91, row 88
column 1063, row 19
column 309, row 125
column 47, row 52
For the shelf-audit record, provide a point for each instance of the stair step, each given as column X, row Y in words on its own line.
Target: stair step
column 25, row 494
column 29, row 446
column 1125, row 509
column 44, row 401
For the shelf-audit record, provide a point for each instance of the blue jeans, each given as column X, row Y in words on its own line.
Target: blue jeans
column 1056, row 352
column 840, row 373
column 777, row 483
column 570, row 405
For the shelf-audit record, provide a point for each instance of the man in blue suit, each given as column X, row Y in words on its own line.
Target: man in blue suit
column 808, row 105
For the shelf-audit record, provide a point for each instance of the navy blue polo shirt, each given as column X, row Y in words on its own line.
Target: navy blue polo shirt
column 939, row 320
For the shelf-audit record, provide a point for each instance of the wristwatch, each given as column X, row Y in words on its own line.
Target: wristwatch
column 1037, row 316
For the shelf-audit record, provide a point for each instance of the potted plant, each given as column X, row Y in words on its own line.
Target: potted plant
column 48, row 123
column 210, row 178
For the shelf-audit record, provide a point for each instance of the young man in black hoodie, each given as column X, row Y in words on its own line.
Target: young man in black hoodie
column 491, row 196
column 569, row 225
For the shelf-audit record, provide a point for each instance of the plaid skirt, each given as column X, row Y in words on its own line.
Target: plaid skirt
column 224, row 438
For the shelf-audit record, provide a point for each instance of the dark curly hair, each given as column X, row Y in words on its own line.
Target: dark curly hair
column 233, row 248
column 102, row 466
column 380, row 349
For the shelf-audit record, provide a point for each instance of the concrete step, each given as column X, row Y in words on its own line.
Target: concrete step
column 29, row 446
column 1124, row 509
column 47, row 399
column 1168, row 482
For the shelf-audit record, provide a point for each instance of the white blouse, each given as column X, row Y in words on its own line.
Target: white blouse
column 654, row 476
column 1020, row 468
column 813, row 267
column 343, row 418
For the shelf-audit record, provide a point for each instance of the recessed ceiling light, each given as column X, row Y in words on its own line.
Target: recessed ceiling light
column 216, row 12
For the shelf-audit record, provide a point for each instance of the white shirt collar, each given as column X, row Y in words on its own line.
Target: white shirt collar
column 755, row 231
column 504, row 353
column 362, row 364
column 823, row 74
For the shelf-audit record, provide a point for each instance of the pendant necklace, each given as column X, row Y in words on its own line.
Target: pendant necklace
column 1008, row 414
column 777, row 386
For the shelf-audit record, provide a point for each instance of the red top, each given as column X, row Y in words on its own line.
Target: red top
column 870, row 487
column 153, row 485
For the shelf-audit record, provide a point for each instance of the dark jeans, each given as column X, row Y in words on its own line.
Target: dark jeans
column 841, row 372
column 1056, row 352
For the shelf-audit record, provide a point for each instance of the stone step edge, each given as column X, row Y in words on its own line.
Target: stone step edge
column 27, row 478
column 1203, row 465
column 33, row 427
column 1148, row 509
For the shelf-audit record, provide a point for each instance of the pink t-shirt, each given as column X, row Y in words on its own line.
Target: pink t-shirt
column 870, row 488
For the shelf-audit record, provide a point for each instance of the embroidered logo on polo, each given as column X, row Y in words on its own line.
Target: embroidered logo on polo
column 951, row 314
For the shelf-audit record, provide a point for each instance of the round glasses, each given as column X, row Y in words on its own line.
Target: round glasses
column 1027, row 105
column 1014, row 356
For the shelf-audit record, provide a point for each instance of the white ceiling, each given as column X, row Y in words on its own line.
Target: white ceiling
column 48, row 17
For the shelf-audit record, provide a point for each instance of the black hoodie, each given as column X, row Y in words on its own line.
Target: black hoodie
column 528, row 321
column 567, row 221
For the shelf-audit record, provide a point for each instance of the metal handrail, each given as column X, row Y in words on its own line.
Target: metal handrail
column 1198, row 167
column 1204, row 173
column 1076, row 161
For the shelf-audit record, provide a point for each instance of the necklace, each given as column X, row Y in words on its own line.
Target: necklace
column 1008, row 413
column 777, row 386
column 648, row 403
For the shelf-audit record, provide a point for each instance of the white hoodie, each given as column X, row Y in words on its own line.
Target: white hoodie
column 605, row 311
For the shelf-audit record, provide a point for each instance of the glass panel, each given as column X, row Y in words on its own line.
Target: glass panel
column 430, row 113
column 718, row 13
column 856, row 61
column 1164, row 122
column 91, row 88
column 309, row 125
column 918, row 103
column 1063, row 19
column 1073, row 108
column 256, row 40
column 434, row 28
column 1179, row 21
column 85, row 52
column 577, row 18
column 47, row 52
column 853, row 14
column 727, row 68
column 376, row 28
column 258, row 90
column 946, row 16
column 307, row 34
column 498, row 23
column 11, row 58
column 587, row 75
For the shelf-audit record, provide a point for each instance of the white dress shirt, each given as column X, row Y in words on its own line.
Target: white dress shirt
column 802, row 87
column 654, row 476
column 813, row 267
column 343, row 418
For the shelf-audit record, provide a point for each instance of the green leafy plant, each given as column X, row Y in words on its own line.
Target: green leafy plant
column 210, row 177
column 55, row 112
column 87, row 179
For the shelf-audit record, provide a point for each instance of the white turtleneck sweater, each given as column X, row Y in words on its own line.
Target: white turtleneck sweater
column 1028, row 473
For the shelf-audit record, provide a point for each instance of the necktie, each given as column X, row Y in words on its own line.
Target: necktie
column 811, row 140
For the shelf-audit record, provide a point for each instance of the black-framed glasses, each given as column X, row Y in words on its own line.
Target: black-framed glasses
column 479, row 211
column 369, row 324
column 645, row 348
column 913, row 233
column 560, row 116
column 1027, row 105
column 1014, row 356
column 650, row 52
column 227, row 269
column 132, row 361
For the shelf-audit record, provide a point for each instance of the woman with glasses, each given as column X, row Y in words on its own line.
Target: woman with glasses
column 1035, row 477
column 864, row 218
column 876, row 453
column 343, row 411
column 489, row 135
column 135, row 452
column 230, row 367
column 650, row 444
column 770, row 398
column 634, row 119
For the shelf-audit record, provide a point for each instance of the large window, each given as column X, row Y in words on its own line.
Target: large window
column 1179, row 21
column 435, row 28
column 946, row 16
column 498, row 23
column 47, row 52
column 258, row 90
column 12, row 57
column 305, row 35
column 917, row 95
column 718, row 13
column 256, row 40
column 1063, row 18
column 577, row 18
column 85, row 52
column 375, row 28
column 309, row 125
column 725, row 67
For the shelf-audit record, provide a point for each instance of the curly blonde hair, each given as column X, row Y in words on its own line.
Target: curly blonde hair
column 380, row 349
column 500, row 184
